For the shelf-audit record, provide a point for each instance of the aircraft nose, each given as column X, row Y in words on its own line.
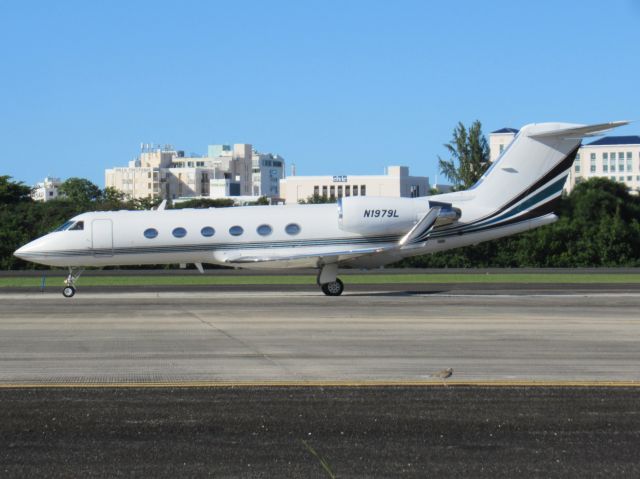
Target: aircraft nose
column 29, row 251
column 20, row 252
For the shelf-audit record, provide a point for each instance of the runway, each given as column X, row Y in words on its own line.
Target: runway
column 504, row 335
column 282, row 381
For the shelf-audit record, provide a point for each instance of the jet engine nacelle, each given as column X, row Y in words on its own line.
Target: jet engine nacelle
column 379, row 215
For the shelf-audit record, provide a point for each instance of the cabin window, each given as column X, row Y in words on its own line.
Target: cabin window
column 150, row 233
column 79, row 226
column 264, row 230
column 207, row 231
column 179, row 232
column 236, row 230
column 292, row 229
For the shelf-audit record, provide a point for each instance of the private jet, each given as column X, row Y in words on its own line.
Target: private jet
column 518, row 192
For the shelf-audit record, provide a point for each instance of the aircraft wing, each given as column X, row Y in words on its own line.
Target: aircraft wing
column 325, row 257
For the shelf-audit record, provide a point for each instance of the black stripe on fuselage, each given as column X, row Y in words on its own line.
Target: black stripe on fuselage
column 564, row 165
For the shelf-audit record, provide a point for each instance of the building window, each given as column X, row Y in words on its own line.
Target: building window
column 593, row 168
column 501, row 148
column 593, row 157
column 613, row 167
column 629, row 178
column 179, row 232
column 612, row 178
column 264, row 230
column 621, row 178
column 363, row 190
column 324, row 191
column 340, row 191
column 332, row 191
column 347, row 190
column 577, row 168
column 150, row 233
column 236, row 230
column 355, row 190
column 207, row 231
column 292, row 229
column 316, row 190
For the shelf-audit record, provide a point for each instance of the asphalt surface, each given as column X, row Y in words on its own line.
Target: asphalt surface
column 285, row 432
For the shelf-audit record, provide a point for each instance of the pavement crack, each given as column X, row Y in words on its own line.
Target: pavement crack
column 244, row 344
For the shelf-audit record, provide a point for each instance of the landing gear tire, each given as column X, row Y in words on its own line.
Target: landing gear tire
column 334, row 288
column 68, row 291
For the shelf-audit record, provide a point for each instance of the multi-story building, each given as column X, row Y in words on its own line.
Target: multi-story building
column 613, row 157
column 396, row 182
column 268, row 170
column 46, row 190
column 499, row 140
column 163, row 172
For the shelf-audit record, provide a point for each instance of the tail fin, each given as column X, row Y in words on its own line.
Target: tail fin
column 532, row 171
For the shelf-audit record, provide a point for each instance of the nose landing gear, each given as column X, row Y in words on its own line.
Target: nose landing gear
column 69, row 290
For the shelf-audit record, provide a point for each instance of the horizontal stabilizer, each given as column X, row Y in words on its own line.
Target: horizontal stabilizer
column 581, row 131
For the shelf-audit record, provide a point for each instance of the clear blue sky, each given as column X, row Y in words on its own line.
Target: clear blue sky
column 338, row 87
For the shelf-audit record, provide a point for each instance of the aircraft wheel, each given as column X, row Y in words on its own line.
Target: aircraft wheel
column 334, row 288
column 68, row 291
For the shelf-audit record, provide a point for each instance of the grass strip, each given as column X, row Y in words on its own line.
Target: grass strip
column 171, row 280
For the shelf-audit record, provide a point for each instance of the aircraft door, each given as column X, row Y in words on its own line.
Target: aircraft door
column 102, row 237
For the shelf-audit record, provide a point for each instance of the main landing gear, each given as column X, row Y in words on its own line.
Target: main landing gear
column 328, row 281
column 69, row 290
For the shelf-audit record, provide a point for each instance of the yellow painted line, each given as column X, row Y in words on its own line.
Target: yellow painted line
column 320, row 384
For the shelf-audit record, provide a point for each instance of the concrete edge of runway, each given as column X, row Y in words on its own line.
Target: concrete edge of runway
column 326, row 384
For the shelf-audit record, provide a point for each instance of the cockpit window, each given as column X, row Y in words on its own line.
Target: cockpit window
column 79, row 226
column 64, row 227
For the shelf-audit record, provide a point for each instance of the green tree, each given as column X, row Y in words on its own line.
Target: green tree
column 204, row 203
column 13, row 191
column 318, row 199
column 80, row 190
column 469, row 153
column 112, row 199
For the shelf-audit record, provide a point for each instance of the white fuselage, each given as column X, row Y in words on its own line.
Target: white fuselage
column 118, row 237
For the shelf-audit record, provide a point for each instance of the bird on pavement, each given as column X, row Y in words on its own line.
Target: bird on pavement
column 443, row 374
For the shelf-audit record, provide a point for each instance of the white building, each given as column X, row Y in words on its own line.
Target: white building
column 613, row 157
column 163, row 172
column 396, row 182
column 46, row 190
column 499, row 140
